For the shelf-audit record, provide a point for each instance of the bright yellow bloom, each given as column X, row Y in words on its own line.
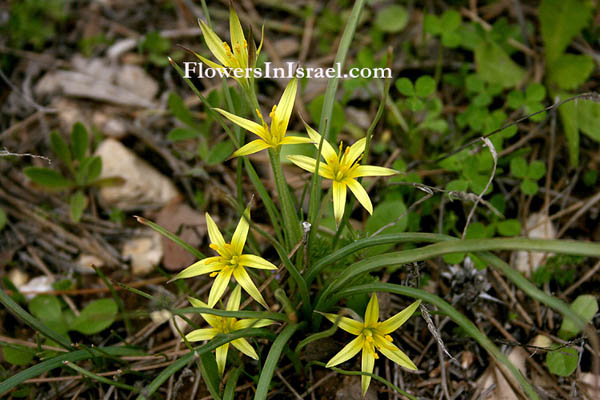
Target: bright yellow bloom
column 236, row 58
column 226, row 325
column 273, row 136
column 230, row 261
column 373, row 336
column 342, row 168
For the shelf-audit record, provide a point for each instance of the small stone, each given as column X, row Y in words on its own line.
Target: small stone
column 143, row 185
column 18, row 277
column 144, row 253
column 86, row 262
column 39, row 284
column 160, row 317
column 135, row 79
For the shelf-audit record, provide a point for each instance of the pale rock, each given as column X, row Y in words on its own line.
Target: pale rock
column 143, row 185
column 39, row 284
column 144, row 252
column 114, row 127
column 159, row 317
column 592, row 385
column 538, row 226
column 18, row 277
column 135, row 79
column 86, row 262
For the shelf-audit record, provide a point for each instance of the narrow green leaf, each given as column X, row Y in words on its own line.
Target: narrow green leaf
column 59, row 146
column 79, row 141
column 262, row 389
column 58, row 362
column 232, row 379
column 78, row 203
column 210, row 374
column 171, row 236
column 94, row 169
column 48, row 178
column 3, row 219
column 178, row 134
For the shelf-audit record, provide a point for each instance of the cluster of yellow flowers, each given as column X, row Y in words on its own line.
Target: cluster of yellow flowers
column 342, row 167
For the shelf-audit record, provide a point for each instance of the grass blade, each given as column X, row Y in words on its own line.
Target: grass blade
column 266, row 375
column 172, row 237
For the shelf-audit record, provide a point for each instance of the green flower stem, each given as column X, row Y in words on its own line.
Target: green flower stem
column 327, row 110
column 99, row 378
column 260, row 188
column 451, row 312
column 262, row 389
column 290, row 217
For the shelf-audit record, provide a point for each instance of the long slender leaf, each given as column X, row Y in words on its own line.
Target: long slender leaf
column 171, row 236
column 58, row 361
column 34, row 323
column 184, row 360
column 394, row 259
column 232, row 379
column 266, row 375
column 99, row 378
column 451, row 312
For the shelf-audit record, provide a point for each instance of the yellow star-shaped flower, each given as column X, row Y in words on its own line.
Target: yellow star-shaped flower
column 372, row 336
column 226, row 325
column 273, row 136
column 342, row 168
column 230, row 261
column 233, row 57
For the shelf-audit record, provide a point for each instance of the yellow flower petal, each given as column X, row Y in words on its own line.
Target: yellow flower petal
column 241, row 233
column 327, row 150
column 211, row 64
column 251, row 126
column 214, row 43
column 233, row 304
column 295, row 140
column 222, row 357
column 250, row 148
column 218, row 287
column 284, row 109
column 242, row 345
column 339, row 200
column 251, row 323
column 304, row 162
column 370, row 170
column 395, row 322
column 213, row 232
column 349, row 351
column 242, row 277
column 367, row 364
column 201, row 334
column 252, row 261
column 361, row 194
column 347, row 324
column 393, row 353
column 356, row 150
column 213, row 320
column 372, row 312
column 237, row 37
column 201, row 267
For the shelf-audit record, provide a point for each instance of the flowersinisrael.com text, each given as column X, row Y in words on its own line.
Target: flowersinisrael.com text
column 292, row 69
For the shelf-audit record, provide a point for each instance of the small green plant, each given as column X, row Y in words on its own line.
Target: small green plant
column 83, row 169
column 529, row 173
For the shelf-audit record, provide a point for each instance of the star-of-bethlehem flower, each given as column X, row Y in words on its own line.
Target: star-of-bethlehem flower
column 273, row 136
column 372, row 336
column 226, row 325
column 233, row 57
column 342, row 168
column 230, row 261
